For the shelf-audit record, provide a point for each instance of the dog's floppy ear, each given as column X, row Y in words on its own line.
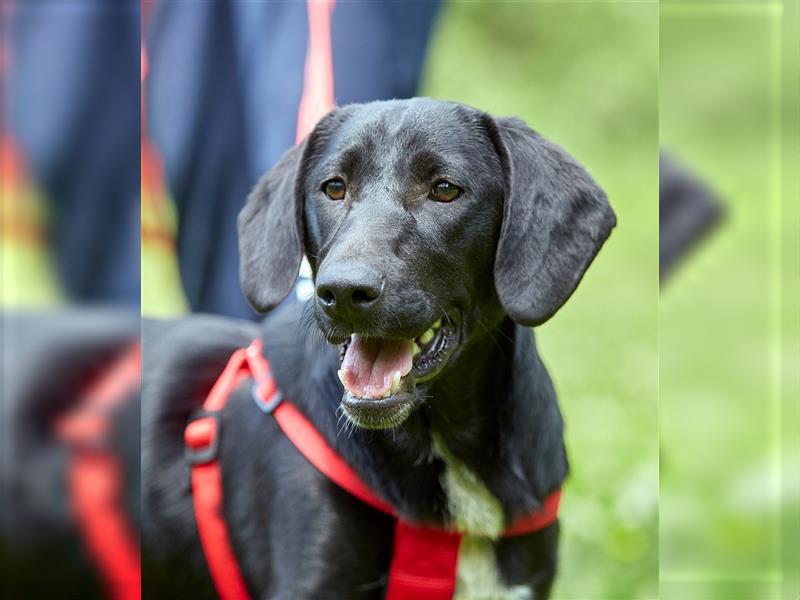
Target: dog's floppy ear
column 271, row 233
column 271, row 228
column 555, row 218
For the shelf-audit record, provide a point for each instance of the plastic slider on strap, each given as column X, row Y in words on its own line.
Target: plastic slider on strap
column 201, row 438
column 266, row 395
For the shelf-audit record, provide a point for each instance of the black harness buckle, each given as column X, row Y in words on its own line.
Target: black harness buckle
column 201, row 437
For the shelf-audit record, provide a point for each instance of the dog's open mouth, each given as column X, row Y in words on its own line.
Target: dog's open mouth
column 379, row 374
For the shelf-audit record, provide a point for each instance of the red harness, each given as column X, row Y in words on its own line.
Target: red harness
column 424, row 560
column 96, row 481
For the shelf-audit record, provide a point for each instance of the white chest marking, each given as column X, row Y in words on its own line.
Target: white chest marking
column 479, row 516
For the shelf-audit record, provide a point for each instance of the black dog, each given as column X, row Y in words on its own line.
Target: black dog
column 437, row 235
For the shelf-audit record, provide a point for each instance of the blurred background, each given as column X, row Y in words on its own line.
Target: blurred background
column 69, row 290
column 125, row 121
column 730, row 459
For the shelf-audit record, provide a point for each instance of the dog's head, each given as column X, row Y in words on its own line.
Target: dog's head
column 425, row 224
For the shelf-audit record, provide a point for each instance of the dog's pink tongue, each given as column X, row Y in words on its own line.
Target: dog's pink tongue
column 370, row 363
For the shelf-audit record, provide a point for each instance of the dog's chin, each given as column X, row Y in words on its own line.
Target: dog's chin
column 379, row 413
column 388, row 402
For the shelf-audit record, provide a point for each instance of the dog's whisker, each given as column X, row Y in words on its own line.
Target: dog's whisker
column 340, row 415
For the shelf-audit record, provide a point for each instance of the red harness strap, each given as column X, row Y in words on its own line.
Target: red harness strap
column 424, row 561
column 95, row 478
column 202, row 444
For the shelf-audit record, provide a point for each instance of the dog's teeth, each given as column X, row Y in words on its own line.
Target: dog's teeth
column 426, row 337
column 340, row 373
column 417, row 349
column 395, row 382
column 437, row 325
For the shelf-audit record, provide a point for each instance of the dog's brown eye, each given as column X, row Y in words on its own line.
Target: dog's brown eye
column 335, row 189
column 444, row 191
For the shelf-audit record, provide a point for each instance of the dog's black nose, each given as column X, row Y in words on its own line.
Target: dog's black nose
column 348, row 290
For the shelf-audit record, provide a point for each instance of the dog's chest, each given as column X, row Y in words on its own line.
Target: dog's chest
column 477, row 511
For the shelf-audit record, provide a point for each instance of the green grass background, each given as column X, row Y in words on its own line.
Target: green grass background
column 586, row 75
column 730, row 463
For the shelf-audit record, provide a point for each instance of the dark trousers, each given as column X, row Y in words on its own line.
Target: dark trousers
column 73, row 109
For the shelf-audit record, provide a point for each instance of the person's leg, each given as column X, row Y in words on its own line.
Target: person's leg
column 195, row 119
column 379, row 48
column 271, row 40
column 74, row 110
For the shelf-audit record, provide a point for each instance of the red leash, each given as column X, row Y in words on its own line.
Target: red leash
column 425, row 558
column 318, row 96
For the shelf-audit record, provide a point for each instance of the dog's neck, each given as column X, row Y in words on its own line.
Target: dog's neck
column 494, row 415
column 490, row 418
column 466, row 397
column 465, row 418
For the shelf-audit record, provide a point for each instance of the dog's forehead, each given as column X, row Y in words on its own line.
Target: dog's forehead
column 397, row 129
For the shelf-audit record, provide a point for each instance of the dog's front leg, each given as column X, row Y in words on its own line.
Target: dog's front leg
column 530, row 561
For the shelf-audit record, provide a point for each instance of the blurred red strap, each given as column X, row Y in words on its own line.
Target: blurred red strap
column 96, row 478
column 318, row 94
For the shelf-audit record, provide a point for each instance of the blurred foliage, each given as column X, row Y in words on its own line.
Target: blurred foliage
column 586, row 76
column 730, row 497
